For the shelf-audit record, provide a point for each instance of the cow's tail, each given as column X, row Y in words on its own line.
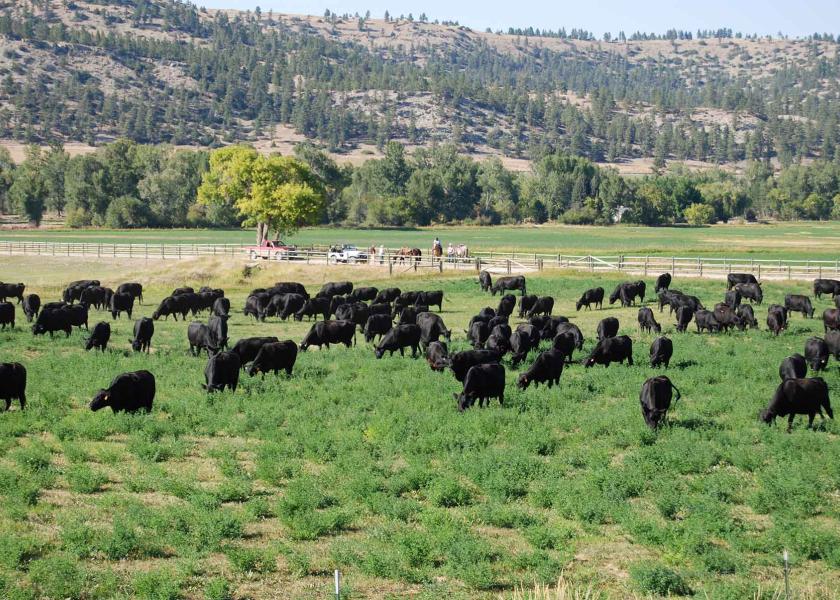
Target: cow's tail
column 679, row 395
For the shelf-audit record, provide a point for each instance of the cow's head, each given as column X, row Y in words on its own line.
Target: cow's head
column 252, row 369
column 38, row 329
column 657, row 328
column 589, row 362
column 100, row 400
column 463, row 401
column 523, row 382
column 766, row 416
column 379, row 352
column 578, row 304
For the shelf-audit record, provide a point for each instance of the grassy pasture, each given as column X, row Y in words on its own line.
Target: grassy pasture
column 366, row 466
column 807, row 240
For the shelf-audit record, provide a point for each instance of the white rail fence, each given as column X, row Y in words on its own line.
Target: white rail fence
column 496, row 262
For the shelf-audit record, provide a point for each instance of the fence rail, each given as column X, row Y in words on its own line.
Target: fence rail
column 496, row 262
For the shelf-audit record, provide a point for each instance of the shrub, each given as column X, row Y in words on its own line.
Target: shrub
column 157, row 585
column 57, row 576
column 218, row 588
column 659, row 580
column 448, row 492
column 699, row 214
column 251, row 560
column 84, row 480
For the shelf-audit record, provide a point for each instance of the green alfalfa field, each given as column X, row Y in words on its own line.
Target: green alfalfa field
column 366, row 466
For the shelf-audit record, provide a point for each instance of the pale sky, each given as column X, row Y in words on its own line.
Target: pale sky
column 792, row 17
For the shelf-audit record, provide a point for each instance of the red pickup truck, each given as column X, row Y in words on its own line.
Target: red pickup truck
column 272, row 250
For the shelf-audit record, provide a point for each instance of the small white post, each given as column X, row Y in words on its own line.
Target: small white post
column 787, row 583
column 337, row 585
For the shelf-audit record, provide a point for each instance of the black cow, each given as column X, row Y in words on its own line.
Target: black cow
column 705, row 320
column 12, row 290
column 182, row 290
column 336, row 288
column 478, row 333
column 732, row 298
column 826, row 286
column 485, row 281
column 733, row 279
column 289, row 287
column 520, row 345
column 437, row 355
column 502, row 329
column 499, row 343
column 655, row 399
column 121, row 303
column 274, row 357
column 483, row 382
column 816, row 353
column 532, row 332
column 381, row 308
column 128, row 392
column 7, row 315
column 324, row 333
column 592, row 296
column 727, row 318
column 543, row 306
column 461, row 362
column 776, row 318
column 78, row 315
column 201, row 338
column 526, row 303
column 647, row 322
column 400, row 338
column 13, row 384
column 517, row 282
column 144, row 329
column 248, row 348
column 99, row 336
column 168, row 306
column 832, row 338
column 548, row 325
column 692, row 302
column 793, row 367
column 546, row 369
column 432, row 328
column 362, row 294
column 387, row 295
column 256, row 306
column 314, row 307
column 52, row 320
column 746, row 314
column 377, row 325
column 218, row 327
column 292, row 303
column 831, row 318
column 357, row 312
column 96, row 296
column 336, row 302
column 799, row 303
column 574, row 330
column 566, row 343
column 663, row 282
column 750, row 291
column 661, row 351
column 487, row 313
column 222, row 371
column 610, row 350
column 434, row 298
column 669, row 298
column 221, row 307
column 506, row 305
column 798, row 397
column 31, row 306
column 408, row 315
column 607, row 328
column 684, row 316
column 135, row 289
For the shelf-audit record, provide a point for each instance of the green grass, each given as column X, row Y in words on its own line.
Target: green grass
column 778, row 241
column 366, row 466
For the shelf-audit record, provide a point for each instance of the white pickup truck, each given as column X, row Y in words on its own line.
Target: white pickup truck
column 346, row 254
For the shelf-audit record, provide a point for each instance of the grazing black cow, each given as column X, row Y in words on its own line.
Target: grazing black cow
column 793, row 367
column 610, row 350
column 168, row 306
column 506, row 305
column 574, row 330
column 274, row 357
column 831, row 318
column 336, row 288
column 362, row 294
column 13, row 384
column 526, row 303
column 661, row 351
column 705, row 320
column 218, row 327
column 520, row 345
column 221, row 307
column 798, row 397
column 144, row 329
column 751, row 291
column 487, row 313
column 408, row 315
column 31, row 306
column 461, row 362
column 222, row 371
column 776, row 318
column 256, row 306
column 607, row 328
column 387, row 295
column 377, row 325
column 627, row 292
column 832, row 338
column 669, row 298
column 324, row 333
column 663, row 282
column 437, row 355
column 502, row 329
column 485, row 281
column 746, row 314
column 72, row 293
column 799, row 303
column 733, row 279
column 591, row 296
column 434, row 298
column 727, row 318
column 99, row 336
column 289, row 287
column 646, row 320
column 546, row 369
column 497, row 320
column 478, row 333
column 400, row 338
column 732, row 298
column 78, row 315
column 121, row 303
column 129, row 392
column 314, row 307
column 135, row 289
column 432, row 328
column 336, row 302
column 498, row 342
column 684, row 316
column 408, row 297
column 182, row 290
column 207, row 298
column 248, row 348
column 543, row 306
column 655, row 399
column 381, row 308
column 201, row 338
column 292, row 303
column 548, row 325
column 12, row 290
column 816, row 353
column 566, row 343
column 532, row 332
column 357, row 312
column 52, row 320
column 482, row 382
column 503, row 284
column 692, row 302
column 96, row 296
column 826, row 286
column 7, row 315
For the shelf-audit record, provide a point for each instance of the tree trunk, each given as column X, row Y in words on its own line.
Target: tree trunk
column 262, row 233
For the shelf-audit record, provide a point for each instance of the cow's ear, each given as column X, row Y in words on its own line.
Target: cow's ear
column 106, row 396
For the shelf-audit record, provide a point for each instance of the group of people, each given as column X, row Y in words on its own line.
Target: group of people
column 377, row 254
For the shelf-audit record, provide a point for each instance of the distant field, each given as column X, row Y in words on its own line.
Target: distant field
column 802, row 240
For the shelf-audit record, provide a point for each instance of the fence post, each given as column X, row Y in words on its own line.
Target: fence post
column 788, row 272
column 646, row 265
column 700, row 264
column 673, row 265
column 440, row 266
column 390, row 266
column 508, row 266
column 759, row 271
column 558, row 260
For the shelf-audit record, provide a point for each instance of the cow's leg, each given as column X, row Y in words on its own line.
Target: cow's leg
column 790, row 422
column 811, row 416
column 402, row 351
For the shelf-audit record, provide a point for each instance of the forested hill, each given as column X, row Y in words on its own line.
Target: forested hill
column 163, row 71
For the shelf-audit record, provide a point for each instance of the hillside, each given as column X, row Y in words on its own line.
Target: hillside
column 157, row 71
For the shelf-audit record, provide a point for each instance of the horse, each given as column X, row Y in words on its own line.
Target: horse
column 462, row 251
column 405, row 251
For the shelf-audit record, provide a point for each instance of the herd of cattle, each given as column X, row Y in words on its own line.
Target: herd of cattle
column 404, row 320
